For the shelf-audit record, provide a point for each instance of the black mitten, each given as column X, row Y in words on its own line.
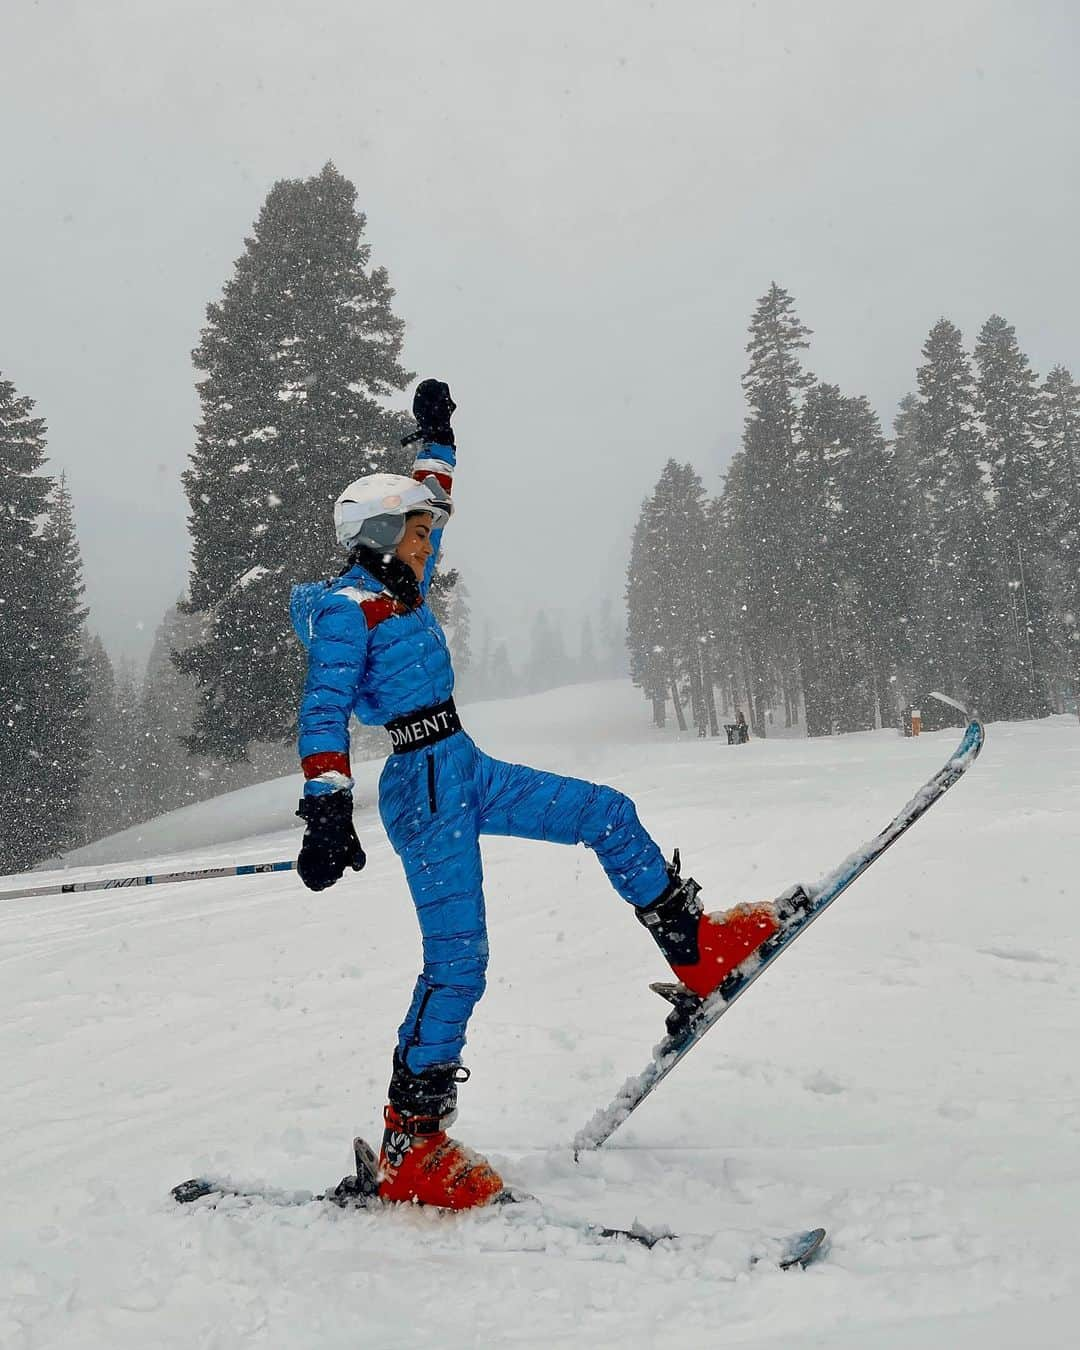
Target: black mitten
column 433, row 407
column 330, row 843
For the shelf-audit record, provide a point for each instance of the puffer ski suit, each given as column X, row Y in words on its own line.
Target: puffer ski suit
column 368, row 657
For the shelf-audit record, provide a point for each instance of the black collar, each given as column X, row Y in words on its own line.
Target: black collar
column 397, row 576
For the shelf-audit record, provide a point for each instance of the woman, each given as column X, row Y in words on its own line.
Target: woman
column 376, row 650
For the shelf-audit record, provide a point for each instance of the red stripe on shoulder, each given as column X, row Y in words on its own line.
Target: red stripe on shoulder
column 382, row 607
column 444, row 480
column 326, row 761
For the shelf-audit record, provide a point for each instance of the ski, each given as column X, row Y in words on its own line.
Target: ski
column 691, row 1017
column 518, row 1208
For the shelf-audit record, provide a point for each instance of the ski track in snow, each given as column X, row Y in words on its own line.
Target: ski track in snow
column 906, row 1075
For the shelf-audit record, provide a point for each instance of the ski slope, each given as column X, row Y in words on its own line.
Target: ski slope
column 908, row 1075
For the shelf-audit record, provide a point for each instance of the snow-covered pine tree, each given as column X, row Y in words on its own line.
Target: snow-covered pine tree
column 1008, row 404
column 875, row 565
column 923, row 659
column 685, row 576
column 169, row 707
column 62, row 687
column 769, row 515
column 1059, row 400
column 101, row 808
column 969, row 640
column 43, row 748
column 649, row 660
column 834, row 664
column 23, row 504
column 743, row 671
column 816, row 584
column 297, row 355
column 117, row 792
column 669, row 631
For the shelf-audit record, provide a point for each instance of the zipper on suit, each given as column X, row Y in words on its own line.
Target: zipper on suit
column 414, row 1039
column 432, row 803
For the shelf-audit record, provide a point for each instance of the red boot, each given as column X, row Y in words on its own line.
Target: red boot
column 418, row 1162
column 703, row 949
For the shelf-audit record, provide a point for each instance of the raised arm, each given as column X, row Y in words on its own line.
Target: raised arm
column 436, row 453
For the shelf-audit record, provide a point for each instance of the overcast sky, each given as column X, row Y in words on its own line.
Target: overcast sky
column 578, row 204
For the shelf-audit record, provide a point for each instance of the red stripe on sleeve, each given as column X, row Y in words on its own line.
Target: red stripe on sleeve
column 326, row 761
column 444, row 480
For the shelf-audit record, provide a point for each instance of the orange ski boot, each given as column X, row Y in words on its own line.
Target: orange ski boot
column 703, row 949
column 419, row 1163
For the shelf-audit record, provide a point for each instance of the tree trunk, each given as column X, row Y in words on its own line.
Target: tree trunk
column 725, row 681
column 679, row 715
column 710, row 703
column 754, row 705
column 697, row 700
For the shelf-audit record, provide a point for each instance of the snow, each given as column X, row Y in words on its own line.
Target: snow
column 906, row 1075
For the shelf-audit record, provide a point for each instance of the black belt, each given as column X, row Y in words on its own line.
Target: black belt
column 418, row 730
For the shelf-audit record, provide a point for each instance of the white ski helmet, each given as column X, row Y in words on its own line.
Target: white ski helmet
column 372, row 510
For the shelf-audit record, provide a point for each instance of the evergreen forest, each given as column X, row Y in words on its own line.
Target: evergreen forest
column 839, row 577
column 842, row 575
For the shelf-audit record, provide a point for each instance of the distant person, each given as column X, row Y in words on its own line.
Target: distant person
column 375, row 649
column 738, row 733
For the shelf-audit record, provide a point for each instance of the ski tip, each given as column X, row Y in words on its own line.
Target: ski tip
column 974, row 739
column 195, row 1189
column 802, row 1248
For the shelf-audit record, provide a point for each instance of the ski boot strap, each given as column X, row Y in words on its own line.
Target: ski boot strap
column 673, row 917
column 417, row 1126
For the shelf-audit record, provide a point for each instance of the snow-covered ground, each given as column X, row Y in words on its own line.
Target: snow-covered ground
column 908, row 1075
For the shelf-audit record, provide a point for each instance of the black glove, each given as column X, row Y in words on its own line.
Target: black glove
column 432, row 407
column 330, row 843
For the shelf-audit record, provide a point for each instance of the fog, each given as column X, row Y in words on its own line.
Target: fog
column 578, row 205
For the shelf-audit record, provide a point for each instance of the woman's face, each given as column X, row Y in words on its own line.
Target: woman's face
column 415, row 548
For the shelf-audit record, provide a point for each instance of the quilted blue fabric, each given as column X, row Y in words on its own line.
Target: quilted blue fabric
column 436, row 803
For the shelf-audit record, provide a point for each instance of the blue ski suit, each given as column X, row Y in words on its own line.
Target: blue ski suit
column 368, row 657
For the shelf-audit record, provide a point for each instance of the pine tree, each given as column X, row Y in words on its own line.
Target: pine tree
column 1009, row 406
column 875, row 567
column 649, row 661
column 969, row 639
column 745, row 677
column 669, row 630
column 102, row 808
column 1059, row 400
column 42, row 698
column 298, row 355
column 814, row 587
column 23, row 505
column 62, row 686
column 169, row 707
column 769, row 515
